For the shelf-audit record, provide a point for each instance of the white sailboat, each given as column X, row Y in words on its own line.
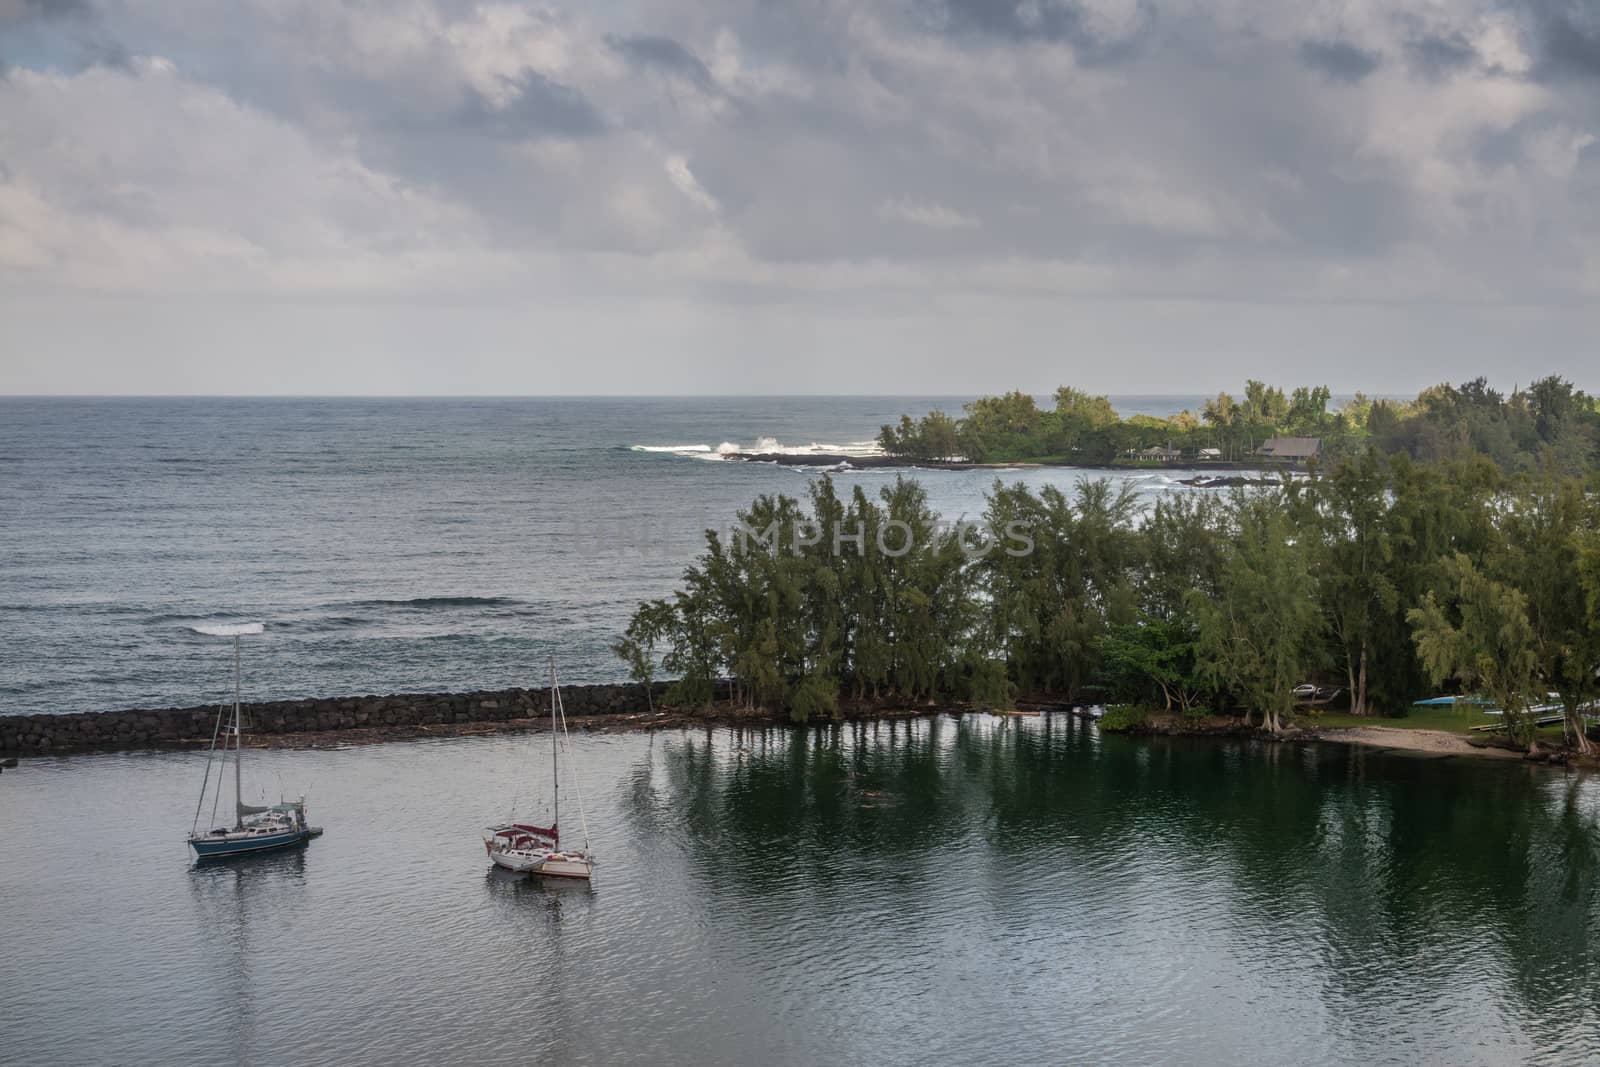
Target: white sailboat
column 531, row 849
column 256, row 828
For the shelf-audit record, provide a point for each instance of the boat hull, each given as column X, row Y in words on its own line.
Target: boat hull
column 219, row 847
column 565, row 867
column 520, row 862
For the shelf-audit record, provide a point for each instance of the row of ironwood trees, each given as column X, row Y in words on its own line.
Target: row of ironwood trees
column 1393, row 577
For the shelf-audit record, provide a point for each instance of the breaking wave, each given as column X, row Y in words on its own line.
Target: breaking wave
column 765, row 446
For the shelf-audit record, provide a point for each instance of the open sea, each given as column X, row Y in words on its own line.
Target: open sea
column 388, row 545
column 964, row 890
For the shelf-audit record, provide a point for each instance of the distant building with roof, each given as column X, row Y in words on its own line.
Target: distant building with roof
column 1290, row 449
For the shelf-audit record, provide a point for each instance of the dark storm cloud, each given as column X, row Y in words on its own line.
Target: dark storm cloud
column 662, row 53
column 1568, row 37
column 541, row 107
column 1339, row 59
column 1041, row 20
column 1439, row 55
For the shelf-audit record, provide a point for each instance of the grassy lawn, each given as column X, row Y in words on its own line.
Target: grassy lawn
column 1455, row 720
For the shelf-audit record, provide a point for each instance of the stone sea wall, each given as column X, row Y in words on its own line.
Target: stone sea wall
column 35, row 735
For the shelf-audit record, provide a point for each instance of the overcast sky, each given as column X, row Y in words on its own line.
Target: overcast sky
column 812, row 196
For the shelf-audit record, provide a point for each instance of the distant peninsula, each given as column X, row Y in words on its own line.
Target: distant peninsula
column 1548, row 422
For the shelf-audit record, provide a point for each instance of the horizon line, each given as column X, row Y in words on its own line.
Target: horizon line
column 636, row 396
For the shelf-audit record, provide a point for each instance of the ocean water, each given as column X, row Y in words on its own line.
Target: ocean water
column 388, row 545
column 964, row 889
column 972, row 890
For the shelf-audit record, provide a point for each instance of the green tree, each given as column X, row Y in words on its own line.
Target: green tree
column 1154, row 654
column 1547, row 525
column 1259, row 636
column 941, row 437
column 1347, row 514
column 1478, row 632
column 1183, row 546
column 1001, row 427
column 651, row 623
column 1049, row 606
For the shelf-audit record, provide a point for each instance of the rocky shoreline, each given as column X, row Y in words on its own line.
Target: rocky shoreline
column 860, row 462
column 359, row 720
column 395, row 714
column 369, row 719
column 355, row 720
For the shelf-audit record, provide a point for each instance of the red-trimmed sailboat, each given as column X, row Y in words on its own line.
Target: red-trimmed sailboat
column 531, row 849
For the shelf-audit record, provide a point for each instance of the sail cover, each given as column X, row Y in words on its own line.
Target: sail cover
column 228, row 629
column 251, row 809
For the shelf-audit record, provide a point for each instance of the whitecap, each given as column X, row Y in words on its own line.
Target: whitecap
column 228, row 629
column 766, row 446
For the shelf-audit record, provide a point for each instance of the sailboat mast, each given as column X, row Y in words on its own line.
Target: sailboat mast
column 555, row 749
column 238, row 738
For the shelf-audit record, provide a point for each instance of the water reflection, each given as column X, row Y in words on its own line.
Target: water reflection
column 1449, row 886
column 1003, row 889
column 517, row 887
column 238, row 903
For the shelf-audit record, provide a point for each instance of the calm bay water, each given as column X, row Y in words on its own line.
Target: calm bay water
column 952, row 890
column 388, row 545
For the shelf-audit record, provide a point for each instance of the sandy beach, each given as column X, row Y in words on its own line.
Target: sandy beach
column 1435, row 742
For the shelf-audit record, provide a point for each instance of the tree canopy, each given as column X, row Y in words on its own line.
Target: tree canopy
column 1550, row 421
column 1388, row 578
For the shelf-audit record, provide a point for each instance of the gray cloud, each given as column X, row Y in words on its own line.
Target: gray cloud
column 1339, row 59
column 70, row 32
column 1569, row 36
column 663, row 53
column 56, row 8
column 835, row 166
column 1044, row 20
column 1439, row 55
column 539, row 107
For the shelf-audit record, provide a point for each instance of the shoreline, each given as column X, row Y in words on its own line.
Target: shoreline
column 525, row 716
column 1437, row 743
column 1199, row 469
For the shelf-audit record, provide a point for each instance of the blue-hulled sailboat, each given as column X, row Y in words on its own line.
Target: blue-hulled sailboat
column 256, row 828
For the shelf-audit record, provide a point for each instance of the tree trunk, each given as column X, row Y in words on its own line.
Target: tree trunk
column 1575, row 729
column 1361, row 692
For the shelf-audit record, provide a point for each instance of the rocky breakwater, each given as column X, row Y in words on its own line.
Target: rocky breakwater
column 37, row 735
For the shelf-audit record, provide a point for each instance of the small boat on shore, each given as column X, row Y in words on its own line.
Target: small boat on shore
column 527, row 848
column 256, row 828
